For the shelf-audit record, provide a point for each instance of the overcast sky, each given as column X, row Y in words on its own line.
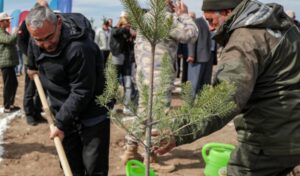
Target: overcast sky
column 98, row 9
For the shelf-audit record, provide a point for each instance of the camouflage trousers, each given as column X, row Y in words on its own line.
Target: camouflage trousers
column 143, row 78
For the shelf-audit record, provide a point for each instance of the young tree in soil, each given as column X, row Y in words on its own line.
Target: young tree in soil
column 213, row 101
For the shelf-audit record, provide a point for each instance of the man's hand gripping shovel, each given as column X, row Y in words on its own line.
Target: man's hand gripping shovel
column 49, row 116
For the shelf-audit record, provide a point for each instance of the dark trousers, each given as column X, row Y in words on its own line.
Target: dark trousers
column 88, row 150
column 178, row 67
column 31, row 102
column 10, row 86
column 248, row 160
column 105, row 55
column 184, row 76
column 199, row 74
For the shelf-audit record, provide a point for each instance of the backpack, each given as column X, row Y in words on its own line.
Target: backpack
column 79, row 21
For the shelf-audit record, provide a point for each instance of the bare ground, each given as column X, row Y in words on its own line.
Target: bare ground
column 29, row 151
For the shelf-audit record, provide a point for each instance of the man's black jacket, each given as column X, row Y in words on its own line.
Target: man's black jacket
column 73, row 75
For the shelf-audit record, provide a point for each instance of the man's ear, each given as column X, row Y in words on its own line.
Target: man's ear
column 228, row 12
column 59, row 21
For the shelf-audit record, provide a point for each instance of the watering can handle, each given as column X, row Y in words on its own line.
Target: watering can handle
column 130, row 163
column 140, row 165
column 212, row 145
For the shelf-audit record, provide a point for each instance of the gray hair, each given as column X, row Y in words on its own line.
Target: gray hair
column 38, row 15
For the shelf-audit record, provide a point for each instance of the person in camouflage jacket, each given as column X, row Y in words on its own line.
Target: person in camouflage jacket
column 184, row 31
column 261, row 58
column 8, row 61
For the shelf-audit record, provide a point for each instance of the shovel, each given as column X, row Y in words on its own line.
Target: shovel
column 49, row 116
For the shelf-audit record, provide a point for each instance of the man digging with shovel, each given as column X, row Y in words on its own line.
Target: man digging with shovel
column 70, row 67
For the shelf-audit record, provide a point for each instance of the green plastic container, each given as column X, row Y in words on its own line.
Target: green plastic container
column 136, row 168
column 216, row 157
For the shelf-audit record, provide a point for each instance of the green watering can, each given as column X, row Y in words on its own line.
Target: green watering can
column 136, row 168
column 216, row 157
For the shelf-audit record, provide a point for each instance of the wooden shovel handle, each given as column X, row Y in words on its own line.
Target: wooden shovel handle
column 50, row 117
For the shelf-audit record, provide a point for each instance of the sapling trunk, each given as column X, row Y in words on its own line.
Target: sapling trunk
column 150, row 114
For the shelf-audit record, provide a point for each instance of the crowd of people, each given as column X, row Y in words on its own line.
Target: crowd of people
column 260, row 45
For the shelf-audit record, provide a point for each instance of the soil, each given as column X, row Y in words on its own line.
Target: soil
column 29, row 151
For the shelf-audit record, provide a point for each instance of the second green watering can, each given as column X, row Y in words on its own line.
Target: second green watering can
column 216, row 157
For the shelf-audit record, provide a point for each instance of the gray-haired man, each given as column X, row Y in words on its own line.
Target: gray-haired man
column 70, row 66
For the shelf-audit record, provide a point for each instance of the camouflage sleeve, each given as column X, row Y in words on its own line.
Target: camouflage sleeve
column 185, row 29
column 238, row 65
column 8, row 39
column 210, row 125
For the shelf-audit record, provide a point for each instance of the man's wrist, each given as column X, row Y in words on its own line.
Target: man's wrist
column 59, row 125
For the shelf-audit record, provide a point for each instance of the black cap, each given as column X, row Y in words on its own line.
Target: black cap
column 219, row 4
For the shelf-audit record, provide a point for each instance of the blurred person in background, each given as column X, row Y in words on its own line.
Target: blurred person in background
column 182, row 54
column 110, row 23
column 292, row 15
column 199, row 57
column 102, row 39
column 8, row 61
column 19, row 68
column 31, row 100
column 121, row 44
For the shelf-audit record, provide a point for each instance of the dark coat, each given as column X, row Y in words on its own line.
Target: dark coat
column 23, row 38
column 200, row 50
column 261, row 58
column 73, row 75
column 119, row 40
